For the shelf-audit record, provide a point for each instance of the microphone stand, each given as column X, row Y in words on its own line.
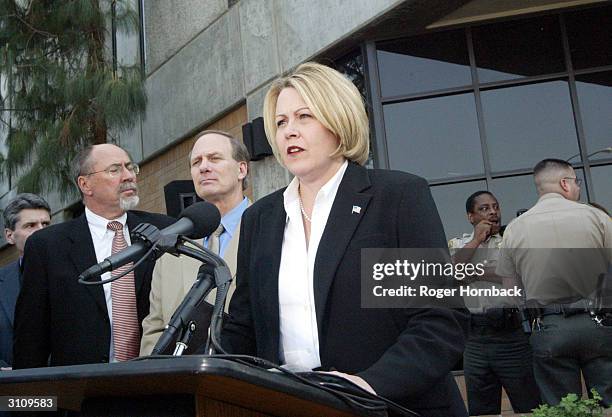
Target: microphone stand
column 223, row 279
column 200, row 289
column 183, row 341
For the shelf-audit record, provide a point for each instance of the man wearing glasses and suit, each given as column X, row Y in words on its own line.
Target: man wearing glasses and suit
column 61, row 322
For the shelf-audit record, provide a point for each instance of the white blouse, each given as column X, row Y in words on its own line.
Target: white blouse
column 299, row 339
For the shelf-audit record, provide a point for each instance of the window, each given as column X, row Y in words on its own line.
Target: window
column 528, row 123
column 595, row 98
column 465, row 133
column 423, row 63
column 602, row 186
column 435, row 138
column 518, row 49
column 450, row 200
column 589, row 37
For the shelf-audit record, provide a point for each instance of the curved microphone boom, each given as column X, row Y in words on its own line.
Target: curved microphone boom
column 196, row 221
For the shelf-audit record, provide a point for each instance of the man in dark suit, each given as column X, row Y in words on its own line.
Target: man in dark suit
column 24, row 215
column 61, row 322
column 404, row 354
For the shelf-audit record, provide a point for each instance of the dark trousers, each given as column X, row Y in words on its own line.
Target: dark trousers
column 563, row 347
column 494, row 359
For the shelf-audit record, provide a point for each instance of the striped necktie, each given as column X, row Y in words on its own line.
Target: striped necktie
column 126, row 330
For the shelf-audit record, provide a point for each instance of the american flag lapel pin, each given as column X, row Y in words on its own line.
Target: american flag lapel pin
column 356, row 209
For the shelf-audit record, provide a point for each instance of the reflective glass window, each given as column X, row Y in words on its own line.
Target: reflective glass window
column 602, row 185
column 589, row 34
column 450, row 200
column 518, row 49
column 351, row 66
column 434, row 138
column 423, row 63
column 514, row 194
column 595, row 101
column 527, row 123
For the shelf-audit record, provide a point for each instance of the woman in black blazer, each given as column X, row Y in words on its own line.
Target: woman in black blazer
column 297, row 301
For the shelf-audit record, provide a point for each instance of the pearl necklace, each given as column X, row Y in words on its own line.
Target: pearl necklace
column 303, row 210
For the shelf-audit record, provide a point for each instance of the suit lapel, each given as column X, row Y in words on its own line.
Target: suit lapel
column 269, row 257
column 347, row 211
column 9, row 290
column 83, row 255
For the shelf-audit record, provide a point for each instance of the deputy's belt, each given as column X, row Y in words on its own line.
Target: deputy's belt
column 499, row 319
column 567, row 309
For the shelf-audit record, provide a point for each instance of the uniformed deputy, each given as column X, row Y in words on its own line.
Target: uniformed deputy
column 497, row 352
column 541, row 248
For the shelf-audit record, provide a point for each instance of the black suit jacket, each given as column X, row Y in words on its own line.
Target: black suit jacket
column 9, row 290
column 57, row 320
column 406, row 355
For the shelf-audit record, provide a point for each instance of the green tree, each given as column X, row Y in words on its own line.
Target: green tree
column 62, row 86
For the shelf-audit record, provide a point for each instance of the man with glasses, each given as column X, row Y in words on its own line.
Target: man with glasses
column 559, row 250
column 61, row 322
column 497, row 352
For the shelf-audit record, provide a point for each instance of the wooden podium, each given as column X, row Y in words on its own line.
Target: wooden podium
column 176, row 386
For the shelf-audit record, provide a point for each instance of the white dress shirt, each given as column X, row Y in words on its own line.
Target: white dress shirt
column 299, row 338
column 103, row 244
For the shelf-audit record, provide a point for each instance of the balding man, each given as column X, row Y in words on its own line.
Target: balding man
column 61, row 322
column 559, row 249
column 219, row 170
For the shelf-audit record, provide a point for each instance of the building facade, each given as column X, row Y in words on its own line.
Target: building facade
column 468, row 94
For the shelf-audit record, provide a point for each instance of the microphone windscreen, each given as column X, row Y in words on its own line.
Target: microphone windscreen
column 205, row 218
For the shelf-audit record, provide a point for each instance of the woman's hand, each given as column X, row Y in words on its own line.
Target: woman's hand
column 360, row 382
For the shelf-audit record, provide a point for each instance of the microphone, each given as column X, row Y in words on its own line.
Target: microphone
column 196, row 221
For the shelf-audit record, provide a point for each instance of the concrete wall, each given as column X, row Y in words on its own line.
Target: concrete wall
column 204, row 58
column 171, row 24
column 207, row 58
column 174, row 164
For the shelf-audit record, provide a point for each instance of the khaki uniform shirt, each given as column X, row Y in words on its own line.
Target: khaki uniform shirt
column 559, row 249
column 487, row 254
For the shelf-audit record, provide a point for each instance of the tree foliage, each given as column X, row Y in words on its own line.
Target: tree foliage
column 61, row 87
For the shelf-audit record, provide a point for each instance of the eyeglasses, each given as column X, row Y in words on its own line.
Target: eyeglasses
column 115, row 169
column 577, row 180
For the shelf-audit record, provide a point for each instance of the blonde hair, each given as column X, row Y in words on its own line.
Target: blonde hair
column 333, row 100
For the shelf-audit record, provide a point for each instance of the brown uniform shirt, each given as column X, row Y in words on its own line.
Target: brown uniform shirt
column 559, row 249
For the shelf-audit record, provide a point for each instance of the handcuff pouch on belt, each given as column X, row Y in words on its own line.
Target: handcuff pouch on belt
column 602, row 304
column 601, row 316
